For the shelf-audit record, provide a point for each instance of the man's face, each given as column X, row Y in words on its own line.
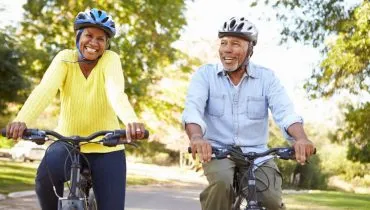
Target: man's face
column 232, row 51
column 92, row 43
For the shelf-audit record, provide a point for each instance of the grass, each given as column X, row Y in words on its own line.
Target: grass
column 16, row 176
column 327, row 200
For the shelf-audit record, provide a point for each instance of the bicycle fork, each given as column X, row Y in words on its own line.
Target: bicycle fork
column 252, row 195
column 73, row 201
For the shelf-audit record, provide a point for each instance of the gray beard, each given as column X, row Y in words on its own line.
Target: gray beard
column 231, row 70
column 245, row 63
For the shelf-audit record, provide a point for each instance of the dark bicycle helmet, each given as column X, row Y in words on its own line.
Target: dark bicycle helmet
column 96, row 18
column 239, row 27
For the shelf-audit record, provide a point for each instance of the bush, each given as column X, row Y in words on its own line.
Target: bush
column 154, row 152
column 310, row 176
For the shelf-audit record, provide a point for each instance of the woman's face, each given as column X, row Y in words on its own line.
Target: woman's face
column 93, row 42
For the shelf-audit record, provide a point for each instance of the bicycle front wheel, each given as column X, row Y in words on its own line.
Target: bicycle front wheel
column 240, row 203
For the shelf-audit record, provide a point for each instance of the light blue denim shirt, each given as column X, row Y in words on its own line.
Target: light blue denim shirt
column 238, row 115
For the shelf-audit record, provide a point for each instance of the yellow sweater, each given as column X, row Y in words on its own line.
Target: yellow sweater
column 87, row 104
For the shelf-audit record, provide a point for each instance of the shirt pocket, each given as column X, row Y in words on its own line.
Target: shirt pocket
column 256, row 107
column 216, row 105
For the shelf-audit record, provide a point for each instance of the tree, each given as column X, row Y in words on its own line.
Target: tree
column 357, row 131
column 341, row 31
column 12, row 83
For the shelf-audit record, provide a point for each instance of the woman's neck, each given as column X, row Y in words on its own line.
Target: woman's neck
column 87, row 67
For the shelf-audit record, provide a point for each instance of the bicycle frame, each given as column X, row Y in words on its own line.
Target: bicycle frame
column 286, row 153
column 77, row 198
column 252, row 202
column 74, row 201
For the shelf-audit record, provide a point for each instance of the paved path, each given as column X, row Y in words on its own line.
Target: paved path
column 182, row 194
column 152, row 197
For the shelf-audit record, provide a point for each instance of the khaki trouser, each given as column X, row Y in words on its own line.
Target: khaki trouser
column 219, row 193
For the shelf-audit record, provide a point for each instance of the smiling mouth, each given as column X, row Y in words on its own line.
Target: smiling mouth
column 90, row 50
column 228, row 60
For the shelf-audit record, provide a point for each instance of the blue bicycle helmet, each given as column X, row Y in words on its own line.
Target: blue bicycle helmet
column 95, row 18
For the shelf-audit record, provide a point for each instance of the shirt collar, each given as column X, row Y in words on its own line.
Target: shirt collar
column 251, row 72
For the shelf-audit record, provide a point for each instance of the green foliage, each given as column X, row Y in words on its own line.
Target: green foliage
column 309, row 176
column 356, row 133
column 153, row 152
column 12, row 82
column 346, row 61
column 345, row 64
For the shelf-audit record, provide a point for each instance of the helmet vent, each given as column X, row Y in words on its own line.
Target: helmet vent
column 105, row 19
column 232, row 24
column 240, row 26
column 250, row 28
column 92, row 16
column 241, row 19
column 81, row 16
column 99, row 12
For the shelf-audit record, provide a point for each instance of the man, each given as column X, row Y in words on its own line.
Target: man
column 227, row 104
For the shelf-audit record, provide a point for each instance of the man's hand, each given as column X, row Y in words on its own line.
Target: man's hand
column 303, row 148
column 14, row 130
column 134, row 131
column 202, row 147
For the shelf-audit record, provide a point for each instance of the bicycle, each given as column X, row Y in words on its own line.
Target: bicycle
column 79, row 197
column 245, row 198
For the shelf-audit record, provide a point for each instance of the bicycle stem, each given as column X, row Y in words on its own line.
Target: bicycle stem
column 75, row 175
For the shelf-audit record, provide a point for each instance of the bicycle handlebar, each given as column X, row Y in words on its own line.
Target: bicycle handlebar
column 286, row 153
column 110, row 139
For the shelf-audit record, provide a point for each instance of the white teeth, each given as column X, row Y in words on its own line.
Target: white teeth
column 90, row 49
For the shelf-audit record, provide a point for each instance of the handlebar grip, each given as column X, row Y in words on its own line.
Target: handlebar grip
column 26, row 132
column 3, row 132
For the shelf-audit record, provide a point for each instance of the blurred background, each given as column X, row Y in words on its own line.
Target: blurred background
column 320, row 50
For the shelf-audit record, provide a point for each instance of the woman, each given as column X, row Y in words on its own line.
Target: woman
column 91, row 85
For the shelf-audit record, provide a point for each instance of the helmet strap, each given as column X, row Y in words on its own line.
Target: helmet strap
column 246, row 60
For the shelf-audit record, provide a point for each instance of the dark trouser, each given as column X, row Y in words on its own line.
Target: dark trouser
column 108, row 171
column 219, row 194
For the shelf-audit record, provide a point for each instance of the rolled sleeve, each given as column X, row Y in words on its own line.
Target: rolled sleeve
column 189, row 118
column 288, row 121
column 196, row 99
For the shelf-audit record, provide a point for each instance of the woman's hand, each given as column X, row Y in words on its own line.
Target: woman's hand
column 14, row 130
column 134, row 131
